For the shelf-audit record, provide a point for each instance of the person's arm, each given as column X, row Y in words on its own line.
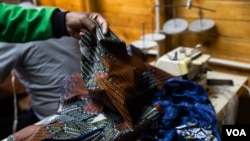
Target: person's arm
column 18, row 24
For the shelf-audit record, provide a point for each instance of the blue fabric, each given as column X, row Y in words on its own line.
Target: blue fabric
column 188, row 114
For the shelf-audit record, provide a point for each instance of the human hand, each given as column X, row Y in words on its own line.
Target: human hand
column 77, row 23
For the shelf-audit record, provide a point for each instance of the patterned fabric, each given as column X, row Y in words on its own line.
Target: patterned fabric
column 111, row 75
column 87, row 111
column 118, row 97
column 82, row 118
column 194, row 132
column 188, row 114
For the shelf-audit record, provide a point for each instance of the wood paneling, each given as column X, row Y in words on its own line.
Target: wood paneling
column 232, row 24
column 229, row 39
column 46, row 2
column 126, row 17
column 75, row 5
column 224, row 10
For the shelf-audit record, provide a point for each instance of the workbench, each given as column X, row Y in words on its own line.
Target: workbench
column 224, row 98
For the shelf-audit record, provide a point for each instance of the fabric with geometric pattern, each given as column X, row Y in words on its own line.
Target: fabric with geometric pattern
column 112, row 76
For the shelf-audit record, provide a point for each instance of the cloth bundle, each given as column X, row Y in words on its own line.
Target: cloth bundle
column 113, row 77
column 113, row 88
column 117, row 96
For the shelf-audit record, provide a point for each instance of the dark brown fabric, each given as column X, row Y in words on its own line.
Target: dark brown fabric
column 120, row 84
column 112, row 76
column 32, row 133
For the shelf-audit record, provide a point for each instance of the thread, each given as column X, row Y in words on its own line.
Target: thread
column 14, row 102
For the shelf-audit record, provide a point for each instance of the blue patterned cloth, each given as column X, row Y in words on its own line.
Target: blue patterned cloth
column 189, row 114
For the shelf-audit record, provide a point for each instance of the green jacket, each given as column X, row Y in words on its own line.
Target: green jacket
column 18, row 24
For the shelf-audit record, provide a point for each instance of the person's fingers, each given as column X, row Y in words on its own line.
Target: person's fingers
column 77, row 23
column 87, row 24
column 101, row 20
column 82, row 32
column 104, row 25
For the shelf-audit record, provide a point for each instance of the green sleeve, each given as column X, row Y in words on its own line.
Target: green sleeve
column 18, row 24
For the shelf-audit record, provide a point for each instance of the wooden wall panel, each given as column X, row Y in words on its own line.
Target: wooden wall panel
column 224, row 10
column 75, row 5
column 231, row 19
column 126, row 17
column 46, row 2
column 229, row 39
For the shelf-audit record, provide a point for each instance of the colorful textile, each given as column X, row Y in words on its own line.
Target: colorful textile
column 112, row 89
column 85, row 114
column 112, row 76
column 189, row 115
column 82, row 118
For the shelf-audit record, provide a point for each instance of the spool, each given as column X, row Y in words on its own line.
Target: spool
column 201, row 25
column 144, row 45
column 175, row 26
column 158, row 38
